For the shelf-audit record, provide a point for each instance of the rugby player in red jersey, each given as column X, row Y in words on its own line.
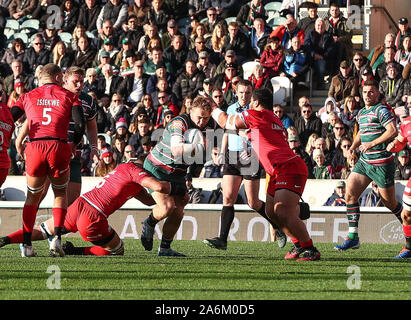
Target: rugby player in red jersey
column 48, row 109
column 89, row 213
column 397, row 145
column 6, row 130
column 287, row 170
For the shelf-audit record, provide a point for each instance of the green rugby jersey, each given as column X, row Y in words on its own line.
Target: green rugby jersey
column 161, row 156
column 372, row 124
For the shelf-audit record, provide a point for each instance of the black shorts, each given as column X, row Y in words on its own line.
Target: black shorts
column 233, row 166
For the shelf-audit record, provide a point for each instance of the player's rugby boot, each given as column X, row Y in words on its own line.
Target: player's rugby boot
column 56, row 248
column 281, row 238
column 162, row 252
column 147, row 236
column 310, row 255
column 27, row 251
column 294, row 253
column 348, row 244
column 404, row 254
column 216, row 243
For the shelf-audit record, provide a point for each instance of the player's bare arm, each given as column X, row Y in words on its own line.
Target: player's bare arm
column 397, row 145
column 24, row 131
column 225, row 121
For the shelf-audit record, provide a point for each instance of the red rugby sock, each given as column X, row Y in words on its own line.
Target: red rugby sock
column 59, row 214
column 95, row 251
column 29, row 218
column 16, row 237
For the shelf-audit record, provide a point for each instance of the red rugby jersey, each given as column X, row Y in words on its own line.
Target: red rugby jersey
column 268, row 138
column 118, row 186
column 48, row 110
column 6, row 131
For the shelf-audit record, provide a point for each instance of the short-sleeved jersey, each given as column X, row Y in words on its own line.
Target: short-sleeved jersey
column 405, row 129
column 118, row 186
column 268, row 138
column 235, row 142
column 161, row 155
column 48, row 111
column 6, row 131
column 372, row 123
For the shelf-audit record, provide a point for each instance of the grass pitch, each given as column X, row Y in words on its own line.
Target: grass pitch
column 246, row 271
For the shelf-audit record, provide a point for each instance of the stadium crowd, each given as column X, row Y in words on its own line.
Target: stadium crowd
column 143, row 67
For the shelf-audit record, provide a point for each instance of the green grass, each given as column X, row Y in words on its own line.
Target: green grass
column 246, row 271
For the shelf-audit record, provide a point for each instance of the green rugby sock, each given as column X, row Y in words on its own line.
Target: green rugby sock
column 353, row 216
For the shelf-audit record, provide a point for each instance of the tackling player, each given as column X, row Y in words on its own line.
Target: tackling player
column 168, row 161
column 397, row 145
column 48, row 109
column 89, row 213
column 287, row 170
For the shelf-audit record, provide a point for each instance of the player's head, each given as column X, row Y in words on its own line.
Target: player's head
column 262, row 98
column 51, row 73
column 200, row 111
column 371, row 94
column 74, row 79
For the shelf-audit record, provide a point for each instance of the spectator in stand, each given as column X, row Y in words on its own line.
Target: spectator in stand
column 61, row 56
column 105, row 164
column 310, row 146
column 88, row 15
column 121, row 131
column 15, row 52
column 341, row 155
column 351, row 161
column 328, row 126
column 225, row 82
column 214, row 167
column 199, row 31
column 240, row 43
column 176, row 54
column 259, row 78
column 143, row 130
column 40, row 12
column 167, row 116
column 19, row 90
column 307, row 124
column 157, row 58
column 163, row 85
column 343, row 84
column 381, row 72
column 302, row 101
column 320, row 45
column 285, row 119
column 158, row 14
column 69, row 16
column 366, row 74
column 199, row 46
column 337, row 199
column 376, row 56
column 139, row 9
column 20, row 9
column 334, row 139
column 320, row 170
column 204, row 65
column 213, row 20
column 129, row 153
column 164, row 105
column 230, row 57
column 272, row 57
column 358, row 63
column 50, row 37
column 134, row 85
column 403, row 165
column 36, row 55
column 249, row 12
column 288, row 31
column 79, row 31
column 296, row 62
column 172, row 31
column 107, row 31
column 404, row 30
column 218, row 97
column 259, row 36
column 85, row 54
column 321, row 144
column 337, row 26
column 330, row 106
column 132, row 32
column 295, row 145
column 392, row 86
column 114, row 10
column 17, row 75
column 161, row 73
column 403, row 55
column 109, row 83
column 307, row 24
column 189, row 82
column 349, row 116
column 90, row 84
column 127, row 63
column 117, row 110
column 372, row 198
column 216, row 42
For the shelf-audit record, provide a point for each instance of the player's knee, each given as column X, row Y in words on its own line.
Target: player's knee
column 117, row 250
column 254, row 204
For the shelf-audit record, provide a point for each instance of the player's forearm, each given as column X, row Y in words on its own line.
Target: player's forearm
column 92, row 132
column 220, row 117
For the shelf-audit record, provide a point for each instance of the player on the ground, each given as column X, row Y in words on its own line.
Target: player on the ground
column 48, row 109
column 168, row 161
column 376, row 129
column 239, row 167
column 287, row 170
column 6, row 131
column 89, row 213
column 397, row 145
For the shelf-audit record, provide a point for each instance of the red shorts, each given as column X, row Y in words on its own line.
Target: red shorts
column 3, row 175
column 88, row 221
column 291, row 175
column 407, row 189
column 47, row 158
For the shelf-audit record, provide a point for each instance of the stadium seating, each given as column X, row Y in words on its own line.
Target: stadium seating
column 66, row 37
column 21, row 35
column 276, row 21
column 248, row 68
column 230, row 19
column 282, row 91
column 30, row 26
column 273, row 9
